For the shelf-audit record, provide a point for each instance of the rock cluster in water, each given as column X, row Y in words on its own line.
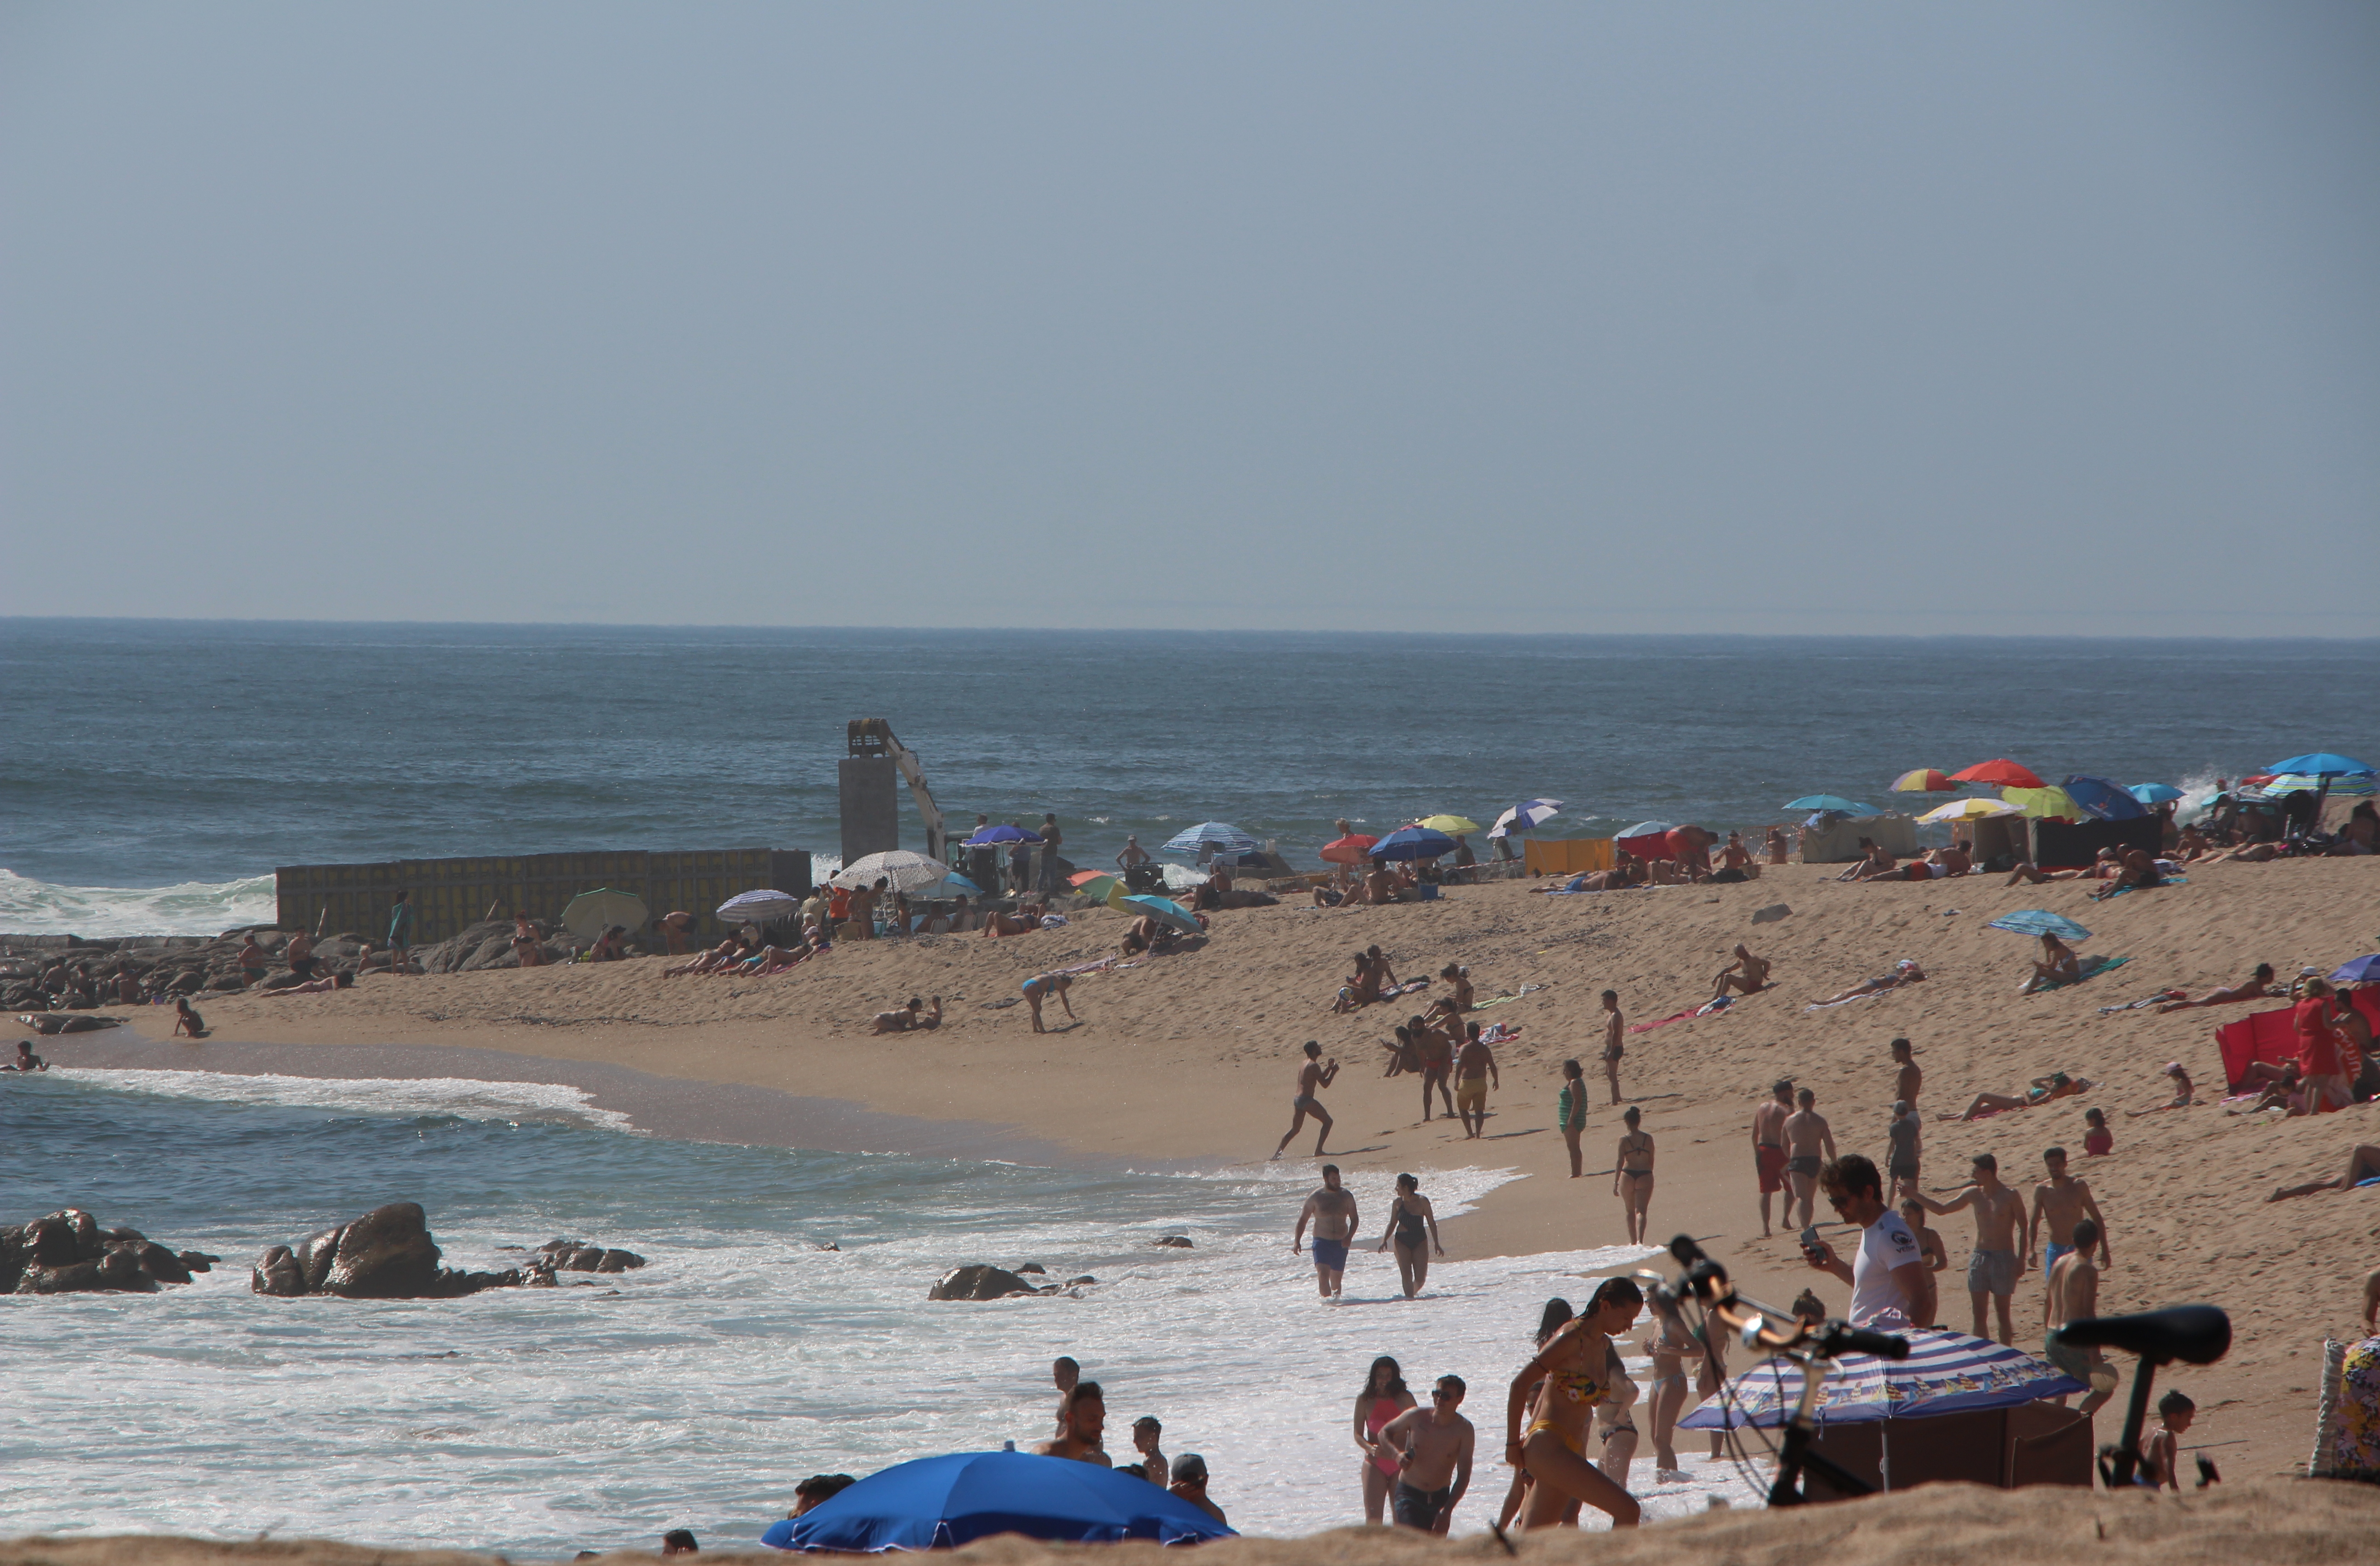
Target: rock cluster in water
column 69, row 1253
column 389, row 1254
column 981, row 1282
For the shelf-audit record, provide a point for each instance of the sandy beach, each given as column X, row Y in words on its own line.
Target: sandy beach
column 1189, row 1060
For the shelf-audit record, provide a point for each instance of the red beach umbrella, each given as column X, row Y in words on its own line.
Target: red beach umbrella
column 1352, row 849
column 2002, row 773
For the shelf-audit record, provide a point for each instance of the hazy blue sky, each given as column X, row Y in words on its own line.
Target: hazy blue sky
column 1763, row 317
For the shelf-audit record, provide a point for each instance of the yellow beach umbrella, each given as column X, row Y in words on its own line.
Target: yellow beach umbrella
column 1453, row 826
column 1925, row 779
column 2043, row 804
column 1969, row 811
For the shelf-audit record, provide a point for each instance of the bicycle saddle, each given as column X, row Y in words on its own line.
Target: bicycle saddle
column 2195, row 1334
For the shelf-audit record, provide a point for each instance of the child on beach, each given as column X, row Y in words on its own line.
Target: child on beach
column 2098, row 1140
column 2161, row 1447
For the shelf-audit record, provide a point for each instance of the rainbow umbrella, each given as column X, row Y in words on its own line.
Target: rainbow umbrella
column 1093, row 883
column 1925, row 779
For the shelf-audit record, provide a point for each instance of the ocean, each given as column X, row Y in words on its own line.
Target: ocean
column 155, row 772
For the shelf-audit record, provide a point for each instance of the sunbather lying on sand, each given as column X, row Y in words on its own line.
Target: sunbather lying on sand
column 2058, row 964
column 2033, row 874
column 719, row 956
column 2134, row 867
column 911, row 1018
column 1905, row 971
column 2056, row 1085
column 1876, row 863
column 2362, row 1164
column 321, row 986
column 2258, row 986
column 1025, row 921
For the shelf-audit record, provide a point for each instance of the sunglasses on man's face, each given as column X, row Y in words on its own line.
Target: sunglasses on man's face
column 1439, row 1394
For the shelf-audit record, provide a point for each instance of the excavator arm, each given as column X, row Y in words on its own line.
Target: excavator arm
column 873, row 736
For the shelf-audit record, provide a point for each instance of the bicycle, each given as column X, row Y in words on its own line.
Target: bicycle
column 2195, row 1334
column 1811, row 1345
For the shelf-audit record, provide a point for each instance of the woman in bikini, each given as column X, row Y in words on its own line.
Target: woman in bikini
column 1383, row 1397
column 1668, row 1345
column 2058, row 965
column 2259, row 986
column 1570, row 1112
column 1632, row 1179
column 1571, row 1375
column 1556, row 1315
column 1412, row 1223
column 1905, row 971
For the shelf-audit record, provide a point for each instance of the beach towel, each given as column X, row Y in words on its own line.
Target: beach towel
column 2092, row 968
column 2168, row 880
column 1407, row 988
column 1498, row 1033
column 1503, row 999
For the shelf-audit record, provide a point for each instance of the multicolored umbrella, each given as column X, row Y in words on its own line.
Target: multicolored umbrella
column 1352, row 849
column 2039, row 921
column 1093, row 883
column 1453, row 826
column 1925, row 779
column 2002, row 773
column 1970, row 810
column 1220, row 836
column 1946, row 1372
column 1525, row 817
column 1413, row 842
column 761, row 907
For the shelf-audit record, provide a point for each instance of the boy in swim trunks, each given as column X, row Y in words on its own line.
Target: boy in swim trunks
column 1331, row 1210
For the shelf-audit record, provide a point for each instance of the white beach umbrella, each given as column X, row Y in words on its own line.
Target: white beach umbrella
column 905, row 871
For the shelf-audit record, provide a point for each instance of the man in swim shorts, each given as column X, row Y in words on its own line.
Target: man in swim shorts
column 2073, row 1295
column 1472, row 1068
column 1431, row 1448
column 1331, row 1210
column 1769, row 1147
column 2063, row 1204
column 1312, row 1078
column 1806, row 1135
column 1993, row 1270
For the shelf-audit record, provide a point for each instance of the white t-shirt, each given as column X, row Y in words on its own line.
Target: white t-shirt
column 1877, row 1299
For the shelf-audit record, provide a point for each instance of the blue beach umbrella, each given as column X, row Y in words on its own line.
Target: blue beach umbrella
column 2154, row 794
column 1164, row 908
column 1834, row 802
column 1411, row 842
column 990, row 836
column 2363, row 970
column 1220, row 836
column 2108, row 801
column 1525, row 817
column 943, row 1502
column 2039, row 921
column 2320, row 763
column 1945, row 1373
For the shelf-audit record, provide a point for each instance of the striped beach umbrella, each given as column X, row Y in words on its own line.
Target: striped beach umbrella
column 1946, row 1372
column 1219, row 836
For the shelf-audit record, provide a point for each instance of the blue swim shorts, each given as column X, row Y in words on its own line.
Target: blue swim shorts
column 1331, row 1256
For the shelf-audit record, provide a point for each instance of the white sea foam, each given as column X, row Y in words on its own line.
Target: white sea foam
column 460, row 1097
column 193, row 907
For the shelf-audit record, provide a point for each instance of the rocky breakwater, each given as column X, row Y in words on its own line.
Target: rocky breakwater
column 69, row 1253
column 389, row 1254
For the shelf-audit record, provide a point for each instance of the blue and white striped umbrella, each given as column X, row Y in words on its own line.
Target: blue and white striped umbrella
column 1525, row 817
column 1221, row 836
column 1945, row 1373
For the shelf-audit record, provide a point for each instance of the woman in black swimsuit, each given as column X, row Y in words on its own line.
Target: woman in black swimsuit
column 1412, row 1223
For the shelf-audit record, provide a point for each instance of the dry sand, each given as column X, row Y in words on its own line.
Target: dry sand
column 2278, row 1523
column 1189, row 1059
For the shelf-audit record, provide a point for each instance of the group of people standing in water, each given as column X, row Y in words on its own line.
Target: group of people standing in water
column 1569, row 1426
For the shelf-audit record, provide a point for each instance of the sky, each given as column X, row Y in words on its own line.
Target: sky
column 1569, row 318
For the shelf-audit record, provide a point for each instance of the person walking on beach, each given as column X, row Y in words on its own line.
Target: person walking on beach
column 1048, row 986
column 1998, row 1260
column 1908, row 1077
column 1383, row 1397
column 1632, row 1179
column 1431, row 1449
column 1612, row 1052
column 1890, row 1287
column 1569, row 1113
column 1312, row 1078
column 2063, row 1204
column 1411, row 1221
column 1806, row 1132
column 1903, row 1134
column 1331, row 1210
column 1768, row 1149
column 1475, row 1067
column 1569, row 1377
column 1051, row 838
column 400, row 934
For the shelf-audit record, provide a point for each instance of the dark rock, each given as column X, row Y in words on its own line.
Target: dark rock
column 1175, row 1242
column 1086, row 1278
column 1771, row 914
column 278, row 1272
column 1034, row 1266
column 620, row 1261
column 197, row 1261
column 578, row 1256
column 315, row 1252
column 74, row 1278
column 979, row 1282
column 385, row 1255
column 454, row 1284
column 13, row 1256
column 120, row 1269
column 156, row 1261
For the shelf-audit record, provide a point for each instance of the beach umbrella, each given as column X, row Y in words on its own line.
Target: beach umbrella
column 759, row 908
column 2154, row 794
column 1525, row 817
column 987, row 836
column 1219, row 836
column 1413, row 842
column 955, row 883
column 1647, row 829
column 1970, row 810
column 1094, row 883
column 2363, row 970
column 1453, row 826
column 943, row 1502
column 592, row 913
column 1946, row 1372
column 2002, row 773
column 1834, row 802
column 1165, row 909
column 2044, row 803
column 2108, row 801
column 2320, row 764
column 1924, row 782
column 2039, row 921
column 1352, row 849
column 2304, row 782
column 907, row 870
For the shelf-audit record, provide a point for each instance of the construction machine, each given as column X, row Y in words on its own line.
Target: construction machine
column 871, row 739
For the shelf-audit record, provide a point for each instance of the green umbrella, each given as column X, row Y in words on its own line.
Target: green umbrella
column 592, row 913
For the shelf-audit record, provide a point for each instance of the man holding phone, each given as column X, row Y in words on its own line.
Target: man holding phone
column 1890, row 1285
